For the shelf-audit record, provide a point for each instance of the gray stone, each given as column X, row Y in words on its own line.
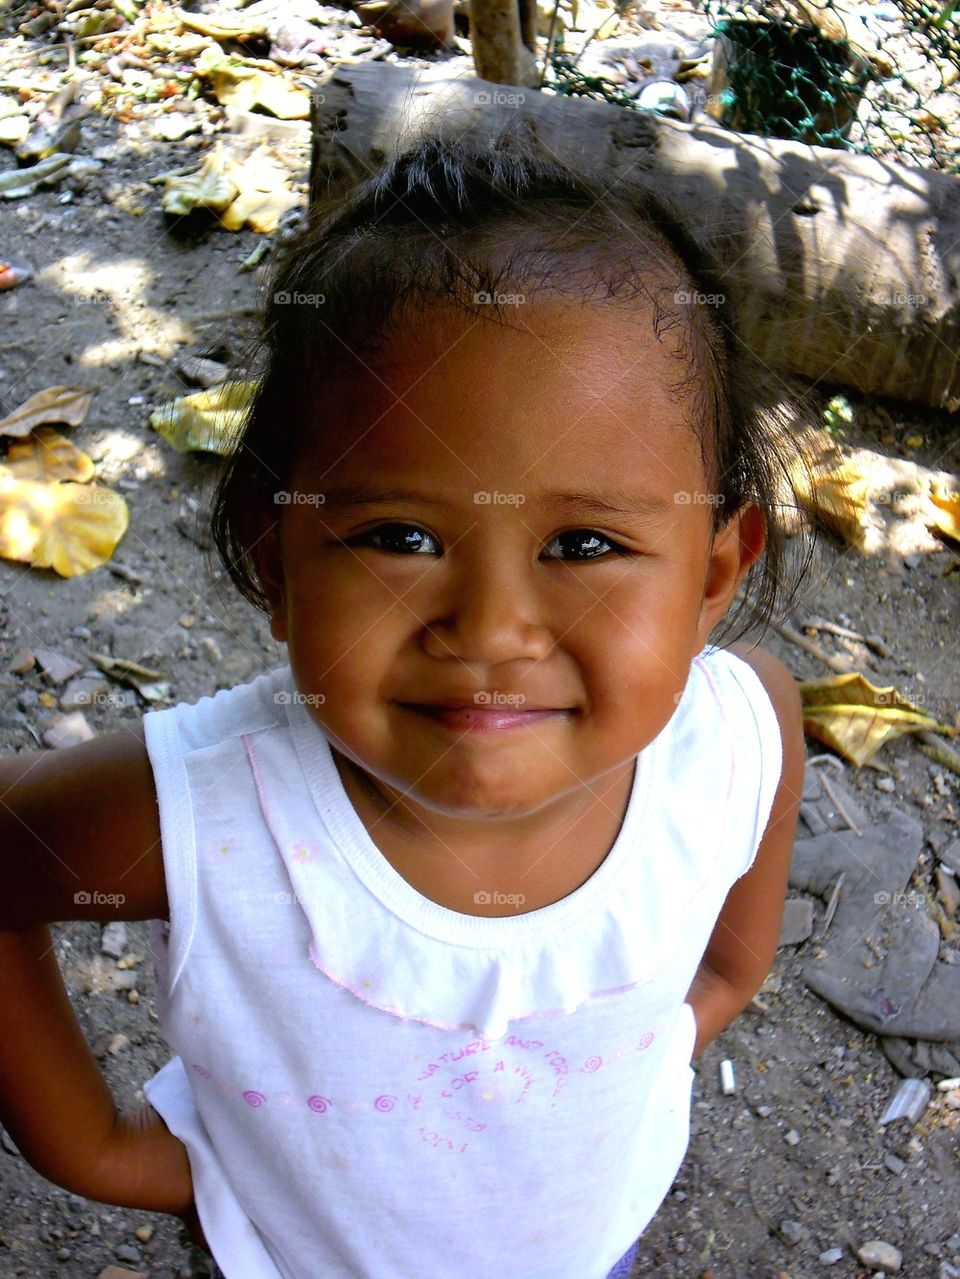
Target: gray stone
column 894, row 1163
column 83, row 692
column 831, row 1256
column 791, row 1232
column 875, row 1252
column 948, row 890
column 886, row 784
column 114, row 939
column 57, row 667
column 950, row 856
column 797, row 922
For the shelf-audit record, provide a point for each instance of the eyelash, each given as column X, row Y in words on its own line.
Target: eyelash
column 615, row 547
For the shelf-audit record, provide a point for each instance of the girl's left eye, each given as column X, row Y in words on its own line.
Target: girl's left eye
column 400, row 539
column 585, row 544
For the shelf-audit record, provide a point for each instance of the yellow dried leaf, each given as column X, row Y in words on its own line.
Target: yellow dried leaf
column 263, row 195
column 854, row 718
column 835, row 498
column 208, row 420
column 46, row 455
column 208, row 188
column 945, row 512
column 223, row 26
column 244, row 87
column 56, row 404
column 71, row 528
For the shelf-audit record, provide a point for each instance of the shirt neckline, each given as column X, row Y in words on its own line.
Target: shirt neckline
column 378, row 875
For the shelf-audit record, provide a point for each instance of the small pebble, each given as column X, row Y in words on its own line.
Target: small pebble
column 894, row 1163
column 144, row 1233
column 113, row 942
column 876, row 1252
column 23, row 661
column 792, row 1138
column 791, row 1232
column 831, row 1256
column 68, row 730
column 886, row 784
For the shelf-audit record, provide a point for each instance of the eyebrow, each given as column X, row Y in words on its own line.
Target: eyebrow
column 611, row 502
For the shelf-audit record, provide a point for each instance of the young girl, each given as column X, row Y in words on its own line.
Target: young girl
column 450, row 902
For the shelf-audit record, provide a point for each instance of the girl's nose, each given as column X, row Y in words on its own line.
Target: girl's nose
column 491, row 617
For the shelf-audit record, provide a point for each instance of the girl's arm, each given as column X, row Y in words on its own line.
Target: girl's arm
column 744, row 940
column 79, row 839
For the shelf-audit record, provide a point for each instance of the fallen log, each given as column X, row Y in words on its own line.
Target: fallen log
column 848, row 267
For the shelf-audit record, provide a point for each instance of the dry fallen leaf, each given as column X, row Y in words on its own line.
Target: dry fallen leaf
column 244, row 87
column 945, row 513
column 46, row 455
column 71, row 528
column 56, row 404
column 854, row 718
column 208, row 188
column 835, row 497
column 208, row 420
column 263, row 195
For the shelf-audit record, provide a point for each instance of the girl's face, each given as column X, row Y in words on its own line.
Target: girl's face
column 509, row 521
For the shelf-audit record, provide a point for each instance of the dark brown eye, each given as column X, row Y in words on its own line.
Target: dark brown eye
column 399, row 539
column 582, row 544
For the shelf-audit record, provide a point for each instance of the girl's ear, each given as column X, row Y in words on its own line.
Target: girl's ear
column 268, row 563
column 737, row 545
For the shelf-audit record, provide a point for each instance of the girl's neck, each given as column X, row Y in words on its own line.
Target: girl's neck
column 540, row 858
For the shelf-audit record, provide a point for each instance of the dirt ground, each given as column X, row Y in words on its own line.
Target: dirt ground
column 116, row 296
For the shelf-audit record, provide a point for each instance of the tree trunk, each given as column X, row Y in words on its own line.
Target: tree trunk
column 497, row 37
column 847, row 267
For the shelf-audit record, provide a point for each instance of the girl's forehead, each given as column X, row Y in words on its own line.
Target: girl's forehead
column 558, row 388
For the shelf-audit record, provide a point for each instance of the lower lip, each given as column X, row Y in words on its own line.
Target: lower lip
column 480, row 719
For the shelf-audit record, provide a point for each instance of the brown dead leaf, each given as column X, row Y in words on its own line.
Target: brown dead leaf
column 46, row 455
column 854, row 718
column 67, row 404
column 71, row 528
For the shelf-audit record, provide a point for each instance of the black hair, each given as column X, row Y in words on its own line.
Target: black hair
column 450, row 219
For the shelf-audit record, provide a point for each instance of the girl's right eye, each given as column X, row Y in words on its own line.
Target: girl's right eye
column 399, row 539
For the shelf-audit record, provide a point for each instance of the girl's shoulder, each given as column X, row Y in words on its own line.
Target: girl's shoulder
column 780, row 688
column 80, row 834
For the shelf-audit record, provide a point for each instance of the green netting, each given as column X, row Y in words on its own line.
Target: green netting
column 777, row 74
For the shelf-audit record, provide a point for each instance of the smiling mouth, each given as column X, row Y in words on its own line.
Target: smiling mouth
column 474, row 718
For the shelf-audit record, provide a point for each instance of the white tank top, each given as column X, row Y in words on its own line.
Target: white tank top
column 372, row 1086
